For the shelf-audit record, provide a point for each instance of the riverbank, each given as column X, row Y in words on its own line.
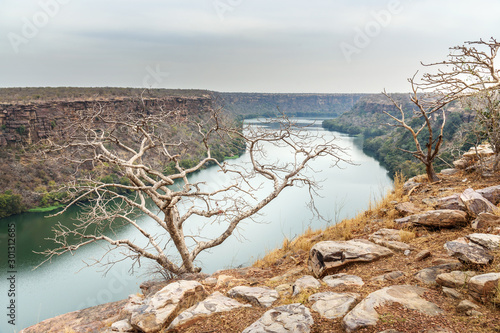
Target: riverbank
column 419, row 285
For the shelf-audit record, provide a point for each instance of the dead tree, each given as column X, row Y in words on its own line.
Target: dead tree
column 136, row 146
column 470, row 75
column 467, row 74
column 427, row 110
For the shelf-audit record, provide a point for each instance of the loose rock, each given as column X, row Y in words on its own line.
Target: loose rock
column 452, row 202
column 364, row 314
column 259, row 296
column 453, row 293
column 476, row 203
column 489, row 241
column 305, row 282
column 212, row 304
column 465, row 306
column 455, row 279
column 333, row 305
column 284, row 319
column 441, row 218
column 343, row 280
column 492, row 194
column 469, row 253
column 391, row 276
column 480, row 286
column 422, row 255
column 430, row 274
column 326, row 257
column 485, row 220
column 161, row 309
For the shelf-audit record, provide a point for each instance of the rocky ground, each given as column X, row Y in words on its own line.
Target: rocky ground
column 424, row 259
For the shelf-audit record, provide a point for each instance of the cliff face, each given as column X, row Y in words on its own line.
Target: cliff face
column 27, row 123
column 291, row 104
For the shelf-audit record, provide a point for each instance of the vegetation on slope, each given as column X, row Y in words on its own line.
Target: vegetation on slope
column 384, row 142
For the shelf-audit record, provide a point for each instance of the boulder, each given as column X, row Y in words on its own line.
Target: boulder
column 441, row 218
column 284, row 319
column 333, row 305
column 430, row 274
column 452, row 202
column 492, row 194
column 305, row 282
column 481, row 286
column 326, row 257
column 455, row 279
column 212, row 304
column 469, row 253
column 476, row 203
column 489, row 241
column 343, row 280
column 485, row 221
column 160, row 309
column 259, row 296
column 364, row 314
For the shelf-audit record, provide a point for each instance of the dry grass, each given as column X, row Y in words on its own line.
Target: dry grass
column 346, row 229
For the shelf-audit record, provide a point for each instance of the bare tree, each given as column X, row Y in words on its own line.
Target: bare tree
column 469, row 72
column 138, row 146
column 427, row 110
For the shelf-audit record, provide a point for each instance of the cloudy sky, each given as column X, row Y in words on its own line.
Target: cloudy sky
column 234, row 45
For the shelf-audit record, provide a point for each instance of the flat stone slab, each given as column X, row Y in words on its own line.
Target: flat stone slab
column 160, row 310
column 364, row 314
column 476, row 203
column 283, row 319
column 212, row 304
column 305, row 282
column 455, row 279
column 343, row 280
column 440, row 218
column 480, row 286
column 259, row 296
column 429, row 275
column 469, row 253
column 326, row 257
column 332, row 305
column 489, row 241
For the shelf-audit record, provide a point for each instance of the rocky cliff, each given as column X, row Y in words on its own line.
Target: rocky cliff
column 291, row 104
column 27, row 123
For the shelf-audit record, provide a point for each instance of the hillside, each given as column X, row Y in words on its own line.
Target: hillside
column 424, row 259
column 253, row 104
column 28, row 181
column 382, row 141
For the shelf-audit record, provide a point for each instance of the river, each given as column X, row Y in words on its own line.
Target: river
column 66, row 284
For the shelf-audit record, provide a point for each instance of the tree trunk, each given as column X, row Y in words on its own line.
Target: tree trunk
column 431, row 174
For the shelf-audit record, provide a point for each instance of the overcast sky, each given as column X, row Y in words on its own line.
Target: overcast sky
column 234, row 45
